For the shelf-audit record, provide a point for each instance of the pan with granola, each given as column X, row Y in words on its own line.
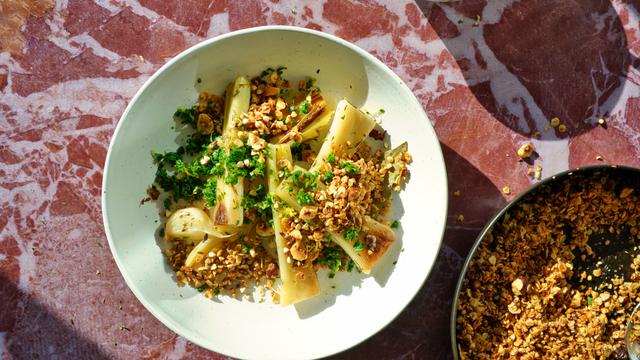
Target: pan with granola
column 556, row 273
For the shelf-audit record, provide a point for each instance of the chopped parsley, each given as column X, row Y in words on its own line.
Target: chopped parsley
column 209, row 191
column 304, row 107
column 304, row 198
column 328, row 176
column 280, row 70
column 259, row 201
column 395, row 224
column 589, row 300
column 237, row 154
column 335, row 259
column 331, row 158
column 351, row 234
column 358, row 246
column 381, row 111
column 350, row 168
column 266, row 72
column 199, row 80
column 309, row 83
column 200, row 289
column 187, row 116
column 304, row 180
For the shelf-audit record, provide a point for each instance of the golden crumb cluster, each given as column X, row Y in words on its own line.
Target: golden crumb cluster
column 355, row 188
column 210, row 108
column 270, row 114
column 231, row 269
column 523, row 296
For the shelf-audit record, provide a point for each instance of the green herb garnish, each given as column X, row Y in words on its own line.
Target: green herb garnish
column 304, row 198
column 350, row 168
column 351, row 234
column 186, row 116
column 209, row 191
column 328, row 176
column 331, row 158
column 304, row 107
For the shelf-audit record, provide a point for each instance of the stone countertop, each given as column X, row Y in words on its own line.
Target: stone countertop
column 490, row 74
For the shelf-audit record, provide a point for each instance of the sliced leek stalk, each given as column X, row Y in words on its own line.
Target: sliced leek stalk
column 237, row 100
column 200, row 251
column 318, row 127
column 298, row 283
column 350, row 127
column 383, row 236
column 192, row 225
column 228, row 209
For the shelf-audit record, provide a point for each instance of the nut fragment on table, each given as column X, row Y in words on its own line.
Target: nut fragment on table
column 525, row 150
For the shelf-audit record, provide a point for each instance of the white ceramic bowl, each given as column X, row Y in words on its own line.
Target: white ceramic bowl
column 351, row 307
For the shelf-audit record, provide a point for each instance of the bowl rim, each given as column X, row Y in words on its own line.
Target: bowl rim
column 182, row 56
column 496, row 217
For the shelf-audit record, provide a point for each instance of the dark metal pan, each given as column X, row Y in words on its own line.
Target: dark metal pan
column 613, row 256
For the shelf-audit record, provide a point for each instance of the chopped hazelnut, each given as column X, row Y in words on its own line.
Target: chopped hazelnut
column 525, row 150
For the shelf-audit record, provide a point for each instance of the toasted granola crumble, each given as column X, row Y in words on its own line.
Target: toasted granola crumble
column 520, row 299
column 355, row 189
column 249, row 262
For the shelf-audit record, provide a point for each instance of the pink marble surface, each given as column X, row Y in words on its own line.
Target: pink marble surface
column 489, row 73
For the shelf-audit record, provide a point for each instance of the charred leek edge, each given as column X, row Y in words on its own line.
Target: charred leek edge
column 318, row 126
column 365, row 261
column 228, row 209
column 362, row 258
column 297, row 284
column 317, row 110
column 350, row 127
